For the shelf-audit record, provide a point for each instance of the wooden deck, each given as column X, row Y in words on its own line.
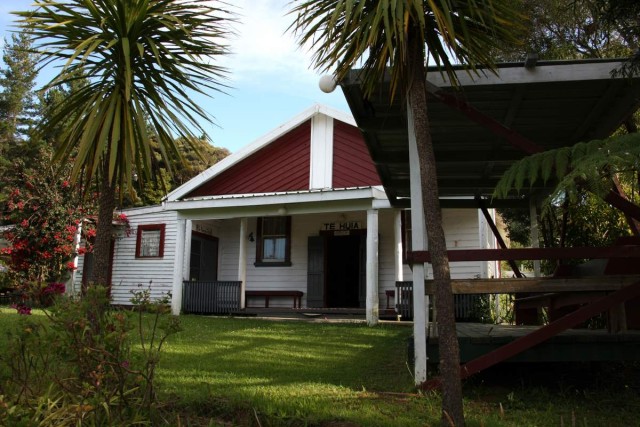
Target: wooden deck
column 477, row 339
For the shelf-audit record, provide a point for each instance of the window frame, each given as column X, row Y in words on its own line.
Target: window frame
column 150, row 227
column 260, row 246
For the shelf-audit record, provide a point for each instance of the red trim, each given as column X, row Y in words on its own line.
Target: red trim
column 150, row 227
column 287, row 249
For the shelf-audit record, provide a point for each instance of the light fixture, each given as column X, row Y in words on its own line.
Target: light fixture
column 327, row 83
column 251, row 238
column 282, row 211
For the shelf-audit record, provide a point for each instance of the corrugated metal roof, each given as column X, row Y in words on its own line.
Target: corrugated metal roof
column 278, row 193
column 554, row 104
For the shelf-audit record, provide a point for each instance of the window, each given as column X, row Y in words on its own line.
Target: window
column 273, row 246
column 150, row 241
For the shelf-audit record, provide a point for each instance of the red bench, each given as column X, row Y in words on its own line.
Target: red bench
column 296, row 295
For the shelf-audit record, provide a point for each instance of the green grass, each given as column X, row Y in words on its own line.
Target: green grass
column 238, row 371
column 292, row 370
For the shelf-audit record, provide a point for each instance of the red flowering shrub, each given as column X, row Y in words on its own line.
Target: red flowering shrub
column 47, row 215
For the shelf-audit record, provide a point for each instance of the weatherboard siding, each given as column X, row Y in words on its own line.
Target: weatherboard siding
column 130, row 273
column 460, row 230
column 283, row 165
column 352, row 164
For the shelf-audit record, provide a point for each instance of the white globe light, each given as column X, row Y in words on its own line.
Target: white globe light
column 327, row 83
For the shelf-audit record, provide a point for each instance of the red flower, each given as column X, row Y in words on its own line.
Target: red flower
column 71, row 266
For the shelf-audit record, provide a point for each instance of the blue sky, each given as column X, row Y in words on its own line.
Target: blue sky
column 271, row 80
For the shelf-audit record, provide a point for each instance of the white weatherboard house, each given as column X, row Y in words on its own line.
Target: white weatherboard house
column 298, row 218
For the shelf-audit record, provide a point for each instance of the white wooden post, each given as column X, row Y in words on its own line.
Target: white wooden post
column 418, row 243
column 397, row 244
column 176, row 292
column 186, row 266
column 535, row 239
column 242, row 261
column 372, row 302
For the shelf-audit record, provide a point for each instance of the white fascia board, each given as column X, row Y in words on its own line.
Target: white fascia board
column 543, row 73
column 274, row 199
column 143, row 210
column 337, row 206
column 257, row 145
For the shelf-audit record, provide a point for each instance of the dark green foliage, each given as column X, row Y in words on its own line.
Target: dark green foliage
column 18, row 102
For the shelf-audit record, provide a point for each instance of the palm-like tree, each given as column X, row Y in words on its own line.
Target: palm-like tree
column 396, row 38
column 141, row 59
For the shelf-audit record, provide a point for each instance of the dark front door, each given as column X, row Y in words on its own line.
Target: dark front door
column 343, row 270
column 315, row 272
column 203, row 264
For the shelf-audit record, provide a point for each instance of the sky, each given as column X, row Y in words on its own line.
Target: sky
column 271, row 79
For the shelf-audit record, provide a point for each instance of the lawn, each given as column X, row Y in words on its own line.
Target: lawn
column 243, row 371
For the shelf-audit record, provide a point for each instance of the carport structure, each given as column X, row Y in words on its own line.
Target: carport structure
column 478, row 132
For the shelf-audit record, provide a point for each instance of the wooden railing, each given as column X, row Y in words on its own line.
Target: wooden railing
column 465, row 306
column 216, row 297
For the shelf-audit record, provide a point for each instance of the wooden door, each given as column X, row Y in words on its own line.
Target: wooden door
column 315, row 272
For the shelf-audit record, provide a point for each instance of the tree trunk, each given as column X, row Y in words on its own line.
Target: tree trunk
column 102, row 246
column 452, row 409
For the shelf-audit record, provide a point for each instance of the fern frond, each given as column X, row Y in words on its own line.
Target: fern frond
column 547, row 165
column 521, row 174
column 563, row 157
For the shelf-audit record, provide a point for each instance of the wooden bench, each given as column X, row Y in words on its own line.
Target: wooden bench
column 296, row 295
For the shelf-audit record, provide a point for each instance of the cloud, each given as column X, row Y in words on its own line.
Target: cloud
column 263, row 51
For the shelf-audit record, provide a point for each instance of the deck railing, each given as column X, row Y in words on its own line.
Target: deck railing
column 465, row 306
column 215, row 297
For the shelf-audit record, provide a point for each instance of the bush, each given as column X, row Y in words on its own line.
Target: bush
column 77, row 366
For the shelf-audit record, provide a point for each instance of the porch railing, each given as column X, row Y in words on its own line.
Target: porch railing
column 216, row 297
column 465, row 306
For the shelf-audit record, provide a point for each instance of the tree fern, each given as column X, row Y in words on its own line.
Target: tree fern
column 589, row 165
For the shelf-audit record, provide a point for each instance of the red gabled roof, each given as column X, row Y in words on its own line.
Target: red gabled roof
column 283, row 165
column 352, row 164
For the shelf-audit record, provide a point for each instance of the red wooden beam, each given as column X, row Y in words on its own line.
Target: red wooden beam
column 629, row 251
column 628, row 208
column 513, row 137
column 544, row 333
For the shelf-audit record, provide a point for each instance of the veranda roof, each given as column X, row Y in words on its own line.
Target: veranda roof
column 545, row 106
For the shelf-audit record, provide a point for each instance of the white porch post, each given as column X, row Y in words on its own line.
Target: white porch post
column 187, row 250
column 372, row 268
column 418, row 243
column 397, row 245
column 535, row 239
column 178, row 267
column 242, row 260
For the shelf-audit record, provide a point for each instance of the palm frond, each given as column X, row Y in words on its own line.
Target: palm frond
column 144, row 60
column 373, row 35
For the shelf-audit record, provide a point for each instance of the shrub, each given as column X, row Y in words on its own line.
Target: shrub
column 77, row 366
